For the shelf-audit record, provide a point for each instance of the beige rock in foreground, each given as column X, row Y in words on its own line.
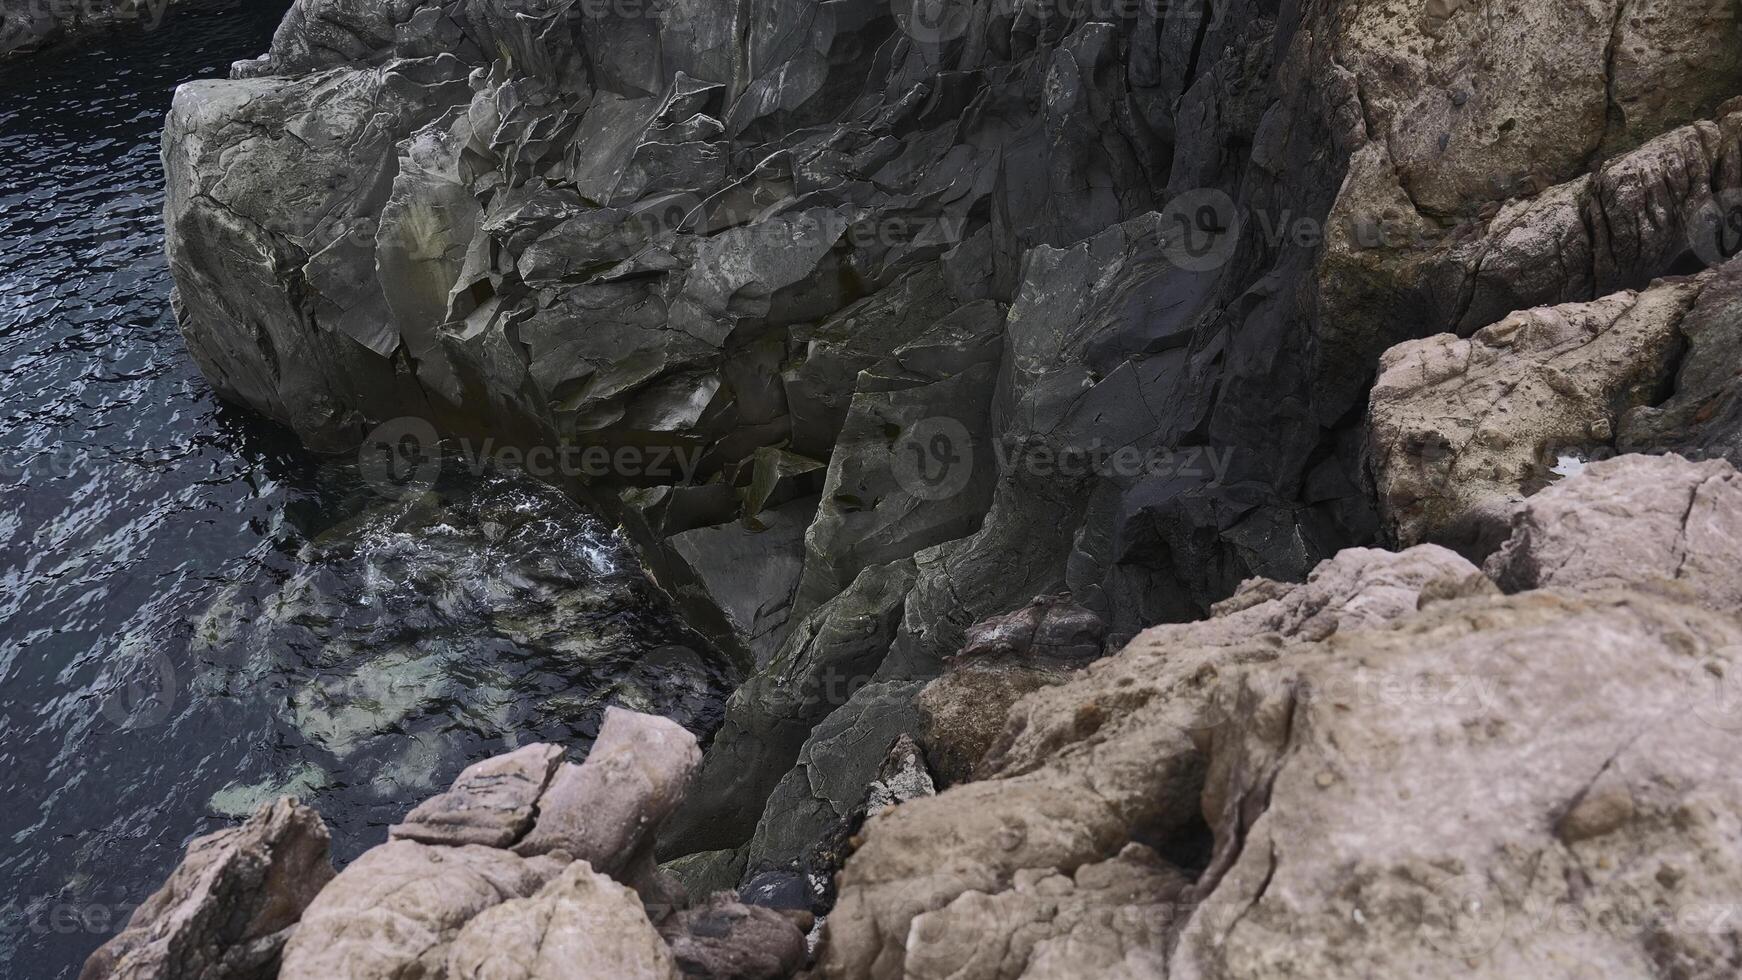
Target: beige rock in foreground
column 1485, row 787
column 581, row 926
column 393, row 913
column 226, row 911
column 1114, row 756
column 491, row 803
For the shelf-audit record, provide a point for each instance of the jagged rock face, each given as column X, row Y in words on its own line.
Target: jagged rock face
column 1017, row 303
column 229, row 907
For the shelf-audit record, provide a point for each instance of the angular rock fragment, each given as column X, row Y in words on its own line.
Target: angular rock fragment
column 607, row 810
column 1049, row 628
column 830, row 655
column 1462, row 429
column 491, row 802
column 227, row 910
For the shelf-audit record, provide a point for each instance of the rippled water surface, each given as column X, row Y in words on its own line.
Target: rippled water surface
column 195, row 615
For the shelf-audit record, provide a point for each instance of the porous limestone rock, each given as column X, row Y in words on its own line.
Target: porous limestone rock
column 1104, row 920
column 1361, row 820
column 492, row 802
column 227, row 910
column 580, row 926
column 1634, row 520
column 1113, row 756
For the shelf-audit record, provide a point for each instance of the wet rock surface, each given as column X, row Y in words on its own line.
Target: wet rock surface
column 28, row 26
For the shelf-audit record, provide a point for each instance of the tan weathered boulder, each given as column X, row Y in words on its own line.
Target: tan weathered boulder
column 580, row 926
column 1437, row 796
column 607, row 810
column 1535, row 785
column 491, row 802
column 1634, row 520
column 722, row 939
column 1462, row 429
column 394, row 912
column 1086, row 767
column 228, row 908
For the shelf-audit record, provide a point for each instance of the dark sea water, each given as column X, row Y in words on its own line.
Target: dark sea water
column 195, row 614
